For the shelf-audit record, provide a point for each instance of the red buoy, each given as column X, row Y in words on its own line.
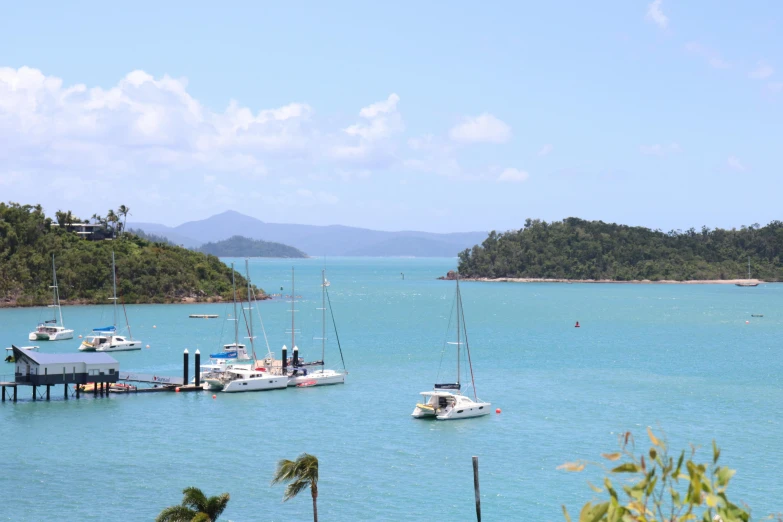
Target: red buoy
column 177, row 390
column 214, row 396
column 576, row 325
column 497, row 410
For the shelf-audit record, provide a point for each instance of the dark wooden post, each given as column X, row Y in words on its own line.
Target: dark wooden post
column 3, row 394
column 198, row 368
column 77, row 389
column 34, row 392
column 94, row 389
column 48, row 391
column 15, row 388
column 185, row 367
column 476, row 488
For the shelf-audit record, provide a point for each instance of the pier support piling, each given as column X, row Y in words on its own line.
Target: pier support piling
column 77, row 390
column 15, row 387
column 476, row 488
column 95, row 389
column 65, row 390
column 3, row 394
column 185, row 367
column 197, row 369
column 34, row 394
column 48, row 391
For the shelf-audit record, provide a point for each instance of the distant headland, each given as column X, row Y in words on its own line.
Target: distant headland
column 575, row 250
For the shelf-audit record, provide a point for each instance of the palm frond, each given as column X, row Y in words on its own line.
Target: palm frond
column 216, row 505
column 294, row 488
column 176, row 514
column 285, row 472
column 195, row 498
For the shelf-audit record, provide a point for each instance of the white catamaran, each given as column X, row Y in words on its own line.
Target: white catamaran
column 252, row 377
column 50, row 330
column 445, row 401
column 105, row 339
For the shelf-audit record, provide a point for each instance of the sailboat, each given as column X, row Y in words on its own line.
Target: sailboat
column 105, row 339
column 253, row 377
column 445, row 401
column 749, row 282
column 231, row 353
column 50, row 330
column 300, row 376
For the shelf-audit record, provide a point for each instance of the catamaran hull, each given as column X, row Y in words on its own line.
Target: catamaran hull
column 120, row 348
column 59, row 336
column 317, row 379
column 463, row 412
column 273, row 382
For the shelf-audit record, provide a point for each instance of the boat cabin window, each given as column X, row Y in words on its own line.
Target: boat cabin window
column 119, row 338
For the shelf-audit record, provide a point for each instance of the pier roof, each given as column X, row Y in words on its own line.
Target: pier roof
column 55, row 358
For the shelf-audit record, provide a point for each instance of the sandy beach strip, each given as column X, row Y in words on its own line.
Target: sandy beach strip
column 611, row 281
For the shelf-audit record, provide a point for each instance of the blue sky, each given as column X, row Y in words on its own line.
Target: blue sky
column 432, row 116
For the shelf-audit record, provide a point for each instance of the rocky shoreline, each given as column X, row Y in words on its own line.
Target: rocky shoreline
column 10, row 302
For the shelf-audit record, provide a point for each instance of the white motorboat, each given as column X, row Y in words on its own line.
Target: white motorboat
column 105, row 339
column 50, row 330
column 446, row 401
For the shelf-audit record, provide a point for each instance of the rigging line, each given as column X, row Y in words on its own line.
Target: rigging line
column 446, row 336
column 467, row 350
column 261, row 320
column 334, row 323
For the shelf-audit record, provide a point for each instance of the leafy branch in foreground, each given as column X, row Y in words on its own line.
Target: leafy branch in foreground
column 654, row 487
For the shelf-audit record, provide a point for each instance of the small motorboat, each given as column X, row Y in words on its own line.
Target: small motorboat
column 757, row 315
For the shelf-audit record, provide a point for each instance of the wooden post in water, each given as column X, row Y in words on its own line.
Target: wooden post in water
column 34, row 392
column 65, row 385
column 77, row 389
column 48, row 391
column 476, row 488
column 15, row 388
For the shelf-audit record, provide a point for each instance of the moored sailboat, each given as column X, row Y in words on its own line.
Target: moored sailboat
column 446, row 401
column 50, row 330
column 749, row 281
column 105, row 339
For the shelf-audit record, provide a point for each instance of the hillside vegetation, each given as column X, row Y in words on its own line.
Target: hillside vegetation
column 238, row 246
column 579, row 249
column 147, row 272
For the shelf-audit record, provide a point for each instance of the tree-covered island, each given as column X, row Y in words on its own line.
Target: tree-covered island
column 147, row 272
column 578, row 250
column 238, row 246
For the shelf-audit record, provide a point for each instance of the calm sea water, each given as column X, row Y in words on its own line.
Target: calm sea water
column 678, row 357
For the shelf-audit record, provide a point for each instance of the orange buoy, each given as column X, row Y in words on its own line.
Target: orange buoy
column 214, row 396
column 177, row 390
column 497, row 410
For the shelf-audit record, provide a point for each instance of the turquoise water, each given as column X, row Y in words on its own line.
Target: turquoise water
column 676, row 356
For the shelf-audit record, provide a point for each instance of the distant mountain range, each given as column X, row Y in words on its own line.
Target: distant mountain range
column 332, row 240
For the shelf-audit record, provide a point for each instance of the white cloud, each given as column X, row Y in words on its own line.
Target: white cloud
column 710, row 55
column 655, row 14
column 762, row 71
column 370, row 140
column 484, row 128
column 659, row 150
column 546, row 150
column 735, row 164
column 775, row 86
column 512, row 175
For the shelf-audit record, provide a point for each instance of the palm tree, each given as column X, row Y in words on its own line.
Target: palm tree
column 112, row 218
column 195, row 507
column 301, row 474
column 123, row 211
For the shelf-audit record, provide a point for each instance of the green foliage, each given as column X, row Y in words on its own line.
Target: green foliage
column 238, row 246
column 146, row 272
column 656, row 487
column 299, row 474
column 195, row 507
column 152, row 238
column 579, row 249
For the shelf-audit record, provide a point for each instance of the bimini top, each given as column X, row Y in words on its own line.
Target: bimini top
column 65, row 358
column 105, row 329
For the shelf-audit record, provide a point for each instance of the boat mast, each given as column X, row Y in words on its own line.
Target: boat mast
column 56, row 295
column 459, row 306
column 293, row 298
column 250, row 312
column 323, row 314
column 748, row 267
column 114, row 286
column 236, row 317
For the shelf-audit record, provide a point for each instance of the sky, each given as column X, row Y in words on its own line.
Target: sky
column 436, row 116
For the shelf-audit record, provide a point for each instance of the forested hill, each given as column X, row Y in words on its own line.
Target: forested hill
column 238, row 246
column 146, row 272
column 578, row 249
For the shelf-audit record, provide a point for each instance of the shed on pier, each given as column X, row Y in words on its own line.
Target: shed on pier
column 36, row 369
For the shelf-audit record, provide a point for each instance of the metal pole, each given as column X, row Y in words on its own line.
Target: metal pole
column 185, row 367
column 476, row 488
column 198, row 368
